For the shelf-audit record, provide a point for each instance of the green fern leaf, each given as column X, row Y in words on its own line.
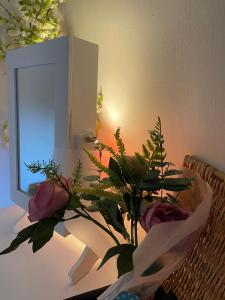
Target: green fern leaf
column 120, row 144
column 98, row 192
column 97, row 163
column 76, row 174
column 140, row 159
column 145, row 151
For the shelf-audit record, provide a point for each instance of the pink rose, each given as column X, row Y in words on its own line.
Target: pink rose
column 49, row 198
column 160, row 213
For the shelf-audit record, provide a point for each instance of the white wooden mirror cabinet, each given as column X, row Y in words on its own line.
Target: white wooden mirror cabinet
column 52, row 89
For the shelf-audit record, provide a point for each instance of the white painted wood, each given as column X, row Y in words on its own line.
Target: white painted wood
column 90, row 234
column 96, row 240
column 83, row 265
column 25, row 276
column 20, row 224
column 75, row 64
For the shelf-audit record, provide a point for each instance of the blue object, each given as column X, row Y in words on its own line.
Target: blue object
column 5, row 198
column 127, row 296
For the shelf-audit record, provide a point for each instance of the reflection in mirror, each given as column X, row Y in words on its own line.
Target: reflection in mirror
column 35, row 115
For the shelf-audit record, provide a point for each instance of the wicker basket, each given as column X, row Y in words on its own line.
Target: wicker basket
column 202, row 275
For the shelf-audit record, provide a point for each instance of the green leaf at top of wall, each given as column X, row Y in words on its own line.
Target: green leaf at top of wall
column 32, row 21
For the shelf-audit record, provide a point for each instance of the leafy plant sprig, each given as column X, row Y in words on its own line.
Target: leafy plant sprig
column 130, row 184
column 4, row 133
column 100, row 100
column 33, row 21
column 140, row 180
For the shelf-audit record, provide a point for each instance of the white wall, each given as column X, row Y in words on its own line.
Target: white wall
column 162, row 58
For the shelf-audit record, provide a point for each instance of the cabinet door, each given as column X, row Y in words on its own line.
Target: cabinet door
column 38, row 93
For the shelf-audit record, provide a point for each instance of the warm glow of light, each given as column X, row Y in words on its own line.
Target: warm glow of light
column 114, row 115
column 70, row 241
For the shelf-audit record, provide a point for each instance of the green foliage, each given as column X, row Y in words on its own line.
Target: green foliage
column 32, row 21
column 120, row 144
column 4, row 136
column 109, row 149
column 115, row 173
column 74, row 202
column 108, row 204
column 124, row 260
column 49, row 169
column 22, row 236
column 100, row 100
column 122, row 158
column 141, row 159
column 42, row 233
column 38, row 234
column 98, row 164
column 91, row 178
column 76, row 175
column 158, row 174
column 141, row 179
column 99, row 192
column 112, row 215
column 130, row 182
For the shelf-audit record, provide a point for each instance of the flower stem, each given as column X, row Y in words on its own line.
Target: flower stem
column 131, row 232
column 13, row 18
column 86, row 215
column 135, row 234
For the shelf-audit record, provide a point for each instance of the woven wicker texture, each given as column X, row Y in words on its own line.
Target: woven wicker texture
column 202, row 275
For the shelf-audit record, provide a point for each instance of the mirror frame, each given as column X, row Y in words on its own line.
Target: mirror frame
column 54, row 52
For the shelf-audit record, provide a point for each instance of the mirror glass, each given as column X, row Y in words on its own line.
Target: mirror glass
column 35, row 122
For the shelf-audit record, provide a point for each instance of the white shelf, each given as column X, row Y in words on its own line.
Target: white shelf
column 43, row 275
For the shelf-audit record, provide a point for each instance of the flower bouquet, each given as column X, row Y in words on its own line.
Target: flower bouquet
column 131, row 192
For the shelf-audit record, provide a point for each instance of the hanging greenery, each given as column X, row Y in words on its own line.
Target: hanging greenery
column 4, row 133
column 100, row 100
column 31, row 21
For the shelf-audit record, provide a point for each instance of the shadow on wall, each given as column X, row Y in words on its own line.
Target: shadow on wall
column 5, row 200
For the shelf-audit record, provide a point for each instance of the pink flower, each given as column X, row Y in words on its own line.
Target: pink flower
column 160, row 213
column 49, row 198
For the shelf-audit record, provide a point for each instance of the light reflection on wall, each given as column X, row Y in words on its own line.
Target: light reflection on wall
column 36, row 120
column 114, row 116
